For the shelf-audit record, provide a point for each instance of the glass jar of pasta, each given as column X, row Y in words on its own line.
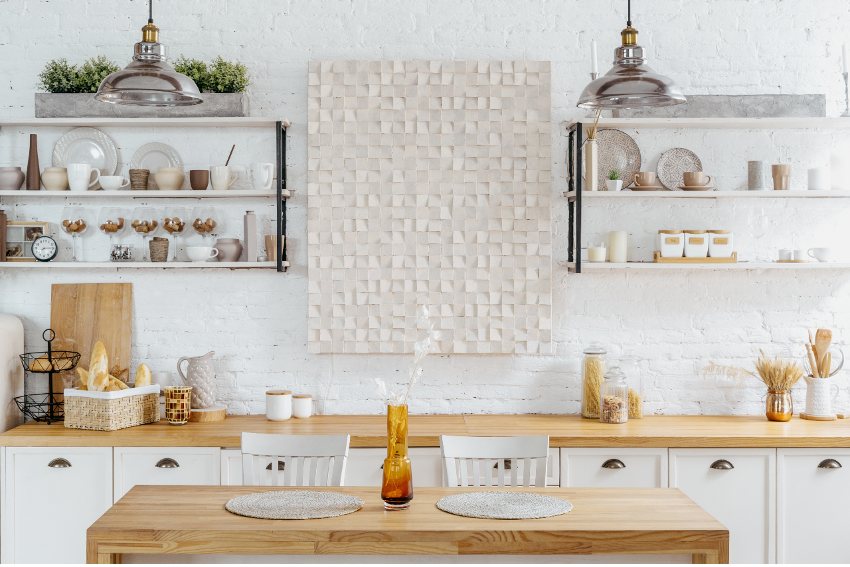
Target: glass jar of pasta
column 592, row 376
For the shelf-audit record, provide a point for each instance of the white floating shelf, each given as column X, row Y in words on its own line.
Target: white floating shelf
column 141, row 265
column 152, row 194
column 837, row 123
column 768, row 194
column 611, row 266
column 223, row 121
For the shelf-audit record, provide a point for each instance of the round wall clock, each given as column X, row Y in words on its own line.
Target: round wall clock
column 44, row 248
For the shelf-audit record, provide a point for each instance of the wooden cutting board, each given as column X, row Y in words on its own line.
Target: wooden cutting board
column 84, row 313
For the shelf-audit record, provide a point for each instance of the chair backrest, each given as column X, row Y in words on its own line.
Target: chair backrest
column 293, row 460
column 495, row 461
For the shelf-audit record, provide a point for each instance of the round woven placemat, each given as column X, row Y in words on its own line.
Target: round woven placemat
column 293, row 505
column 503, row 505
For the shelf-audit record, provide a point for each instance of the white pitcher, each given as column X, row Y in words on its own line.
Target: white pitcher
column 820, row 395
column 200, row 374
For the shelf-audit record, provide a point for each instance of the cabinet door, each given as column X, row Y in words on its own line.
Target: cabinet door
column 231, row 467
column 165, row 465
column 364, row 467
column 738, row 487
column 614, row 468
column 51, row 496
column 814, row 497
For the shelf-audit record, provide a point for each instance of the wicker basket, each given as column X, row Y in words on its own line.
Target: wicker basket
column 159, row 249
column 108, row 411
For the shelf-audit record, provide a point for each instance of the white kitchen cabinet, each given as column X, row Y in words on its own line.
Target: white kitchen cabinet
column 614, row 468
column 231, row 467
column 738, row 487
column 51, row 496
column 813, row 502
column 165, row 465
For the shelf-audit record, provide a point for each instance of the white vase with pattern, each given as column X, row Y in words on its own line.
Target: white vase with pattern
column 200, row 375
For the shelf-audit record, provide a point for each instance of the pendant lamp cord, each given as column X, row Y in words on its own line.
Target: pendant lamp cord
column 629, row 16
column 150, row 11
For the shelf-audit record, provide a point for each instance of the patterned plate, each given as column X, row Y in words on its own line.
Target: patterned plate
column 673, row 163
column 617, row 150
column 293, row 505
column 87, row 145
column 503, row 505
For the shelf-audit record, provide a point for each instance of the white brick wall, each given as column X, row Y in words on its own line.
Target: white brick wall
column 677, row 323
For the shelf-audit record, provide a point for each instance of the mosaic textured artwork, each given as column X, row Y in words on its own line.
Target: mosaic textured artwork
column 429, row 183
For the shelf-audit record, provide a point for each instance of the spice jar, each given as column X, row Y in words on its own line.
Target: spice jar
column 696, row 244
column 671, row 243
column 720, row 244
column 614, row 398
column 592, row 375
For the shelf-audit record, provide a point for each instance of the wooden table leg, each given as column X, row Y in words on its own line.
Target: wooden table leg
column 94, row 556
column 715, row 556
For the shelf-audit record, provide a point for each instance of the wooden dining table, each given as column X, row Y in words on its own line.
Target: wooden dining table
column 193, row 520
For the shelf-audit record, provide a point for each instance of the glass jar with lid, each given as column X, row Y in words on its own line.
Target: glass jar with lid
column 614, row 398
column 634, row 379
column 592, row 376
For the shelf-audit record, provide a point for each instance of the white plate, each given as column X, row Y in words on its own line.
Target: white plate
column 87, row 145
column 153, row 157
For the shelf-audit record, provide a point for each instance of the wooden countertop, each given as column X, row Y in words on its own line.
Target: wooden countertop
column 181, row 519
column 370, row 431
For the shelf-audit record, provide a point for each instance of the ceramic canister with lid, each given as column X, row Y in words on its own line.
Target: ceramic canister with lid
column 302, row 405
column 720, row 244
column 696, row 244
column 278, row 405
column 671, row 243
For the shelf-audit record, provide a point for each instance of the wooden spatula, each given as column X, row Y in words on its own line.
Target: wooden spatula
column 823, row 340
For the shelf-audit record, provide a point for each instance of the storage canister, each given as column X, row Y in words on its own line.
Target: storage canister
column 278, row 405
column 302, row 405
column 671, row 243
column 592, row 375
column 720, row 244
column 696, row 244
column 614, row 398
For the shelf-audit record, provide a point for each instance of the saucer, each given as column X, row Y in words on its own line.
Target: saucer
column 636, row 187
column 696, row 187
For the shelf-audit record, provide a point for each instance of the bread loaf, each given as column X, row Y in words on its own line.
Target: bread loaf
column 98, row 378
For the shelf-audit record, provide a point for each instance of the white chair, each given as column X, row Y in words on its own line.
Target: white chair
column 293, row 460
column 490, row 461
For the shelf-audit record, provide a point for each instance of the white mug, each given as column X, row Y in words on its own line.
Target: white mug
column 221, row 177
column 262, row 176
column 201, row 253
column 80, row 176
column 799, row 255
column 821, row 254
column 113, row 182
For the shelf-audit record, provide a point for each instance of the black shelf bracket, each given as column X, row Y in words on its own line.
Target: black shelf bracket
column 574, row 186
column 280, row 134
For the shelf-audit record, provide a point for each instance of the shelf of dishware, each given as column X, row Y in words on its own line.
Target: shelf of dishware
column 740, row 266
column 149, row 194
column 766, row 194
column 832, row 122
column 222, row 121
column 141, row 265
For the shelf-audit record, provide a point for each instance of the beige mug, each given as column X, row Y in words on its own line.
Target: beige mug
column 697, row 179
column 781, row 176
column 645, row 178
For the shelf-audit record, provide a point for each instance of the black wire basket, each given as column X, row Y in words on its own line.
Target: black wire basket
column 46, row 407
column 41, row 407
column 51, row 361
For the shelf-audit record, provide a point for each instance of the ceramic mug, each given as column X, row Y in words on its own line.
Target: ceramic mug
column 645, row 178
column 696, row 179
column 820, row 254
column 222, row 177
column 55, row 178
column 262, row 176
column 112, row 182
column 169, row 178
column 781, row 176
column 80, row 176
column 199, row 179
column 201, row 253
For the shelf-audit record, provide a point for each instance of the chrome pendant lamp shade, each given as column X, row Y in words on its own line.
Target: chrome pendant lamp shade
column 630, row 83
column 149, row 80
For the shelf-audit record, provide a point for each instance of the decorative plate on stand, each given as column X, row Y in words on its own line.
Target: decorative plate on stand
column 673, row 163
column 617, row 150
column 87, row 145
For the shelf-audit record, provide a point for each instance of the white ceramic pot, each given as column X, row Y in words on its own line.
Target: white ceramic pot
column 820, row 395
column 614, row 184
column 278, row 405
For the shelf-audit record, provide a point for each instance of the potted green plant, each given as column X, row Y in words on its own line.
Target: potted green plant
column 69, row 90
column 614, row 183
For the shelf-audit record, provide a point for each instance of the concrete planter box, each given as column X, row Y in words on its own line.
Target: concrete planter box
column 737, row 106
column 84, row 105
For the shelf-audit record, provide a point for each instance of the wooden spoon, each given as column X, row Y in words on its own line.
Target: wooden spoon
column 823, row 340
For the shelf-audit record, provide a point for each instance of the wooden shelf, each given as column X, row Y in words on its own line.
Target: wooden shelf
column 626, row 194
column 152, row 194
column 140, row 265
column 829, row 122
column 611, row 266
column 223, row 121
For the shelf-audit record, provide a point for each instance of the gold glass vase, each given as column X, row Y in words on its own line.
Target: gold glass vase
column 397, row 484
column 779, row 406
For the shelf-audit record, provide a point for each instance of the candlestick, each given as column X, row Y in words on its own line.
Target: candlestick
column 846, row 97
column 594, row 69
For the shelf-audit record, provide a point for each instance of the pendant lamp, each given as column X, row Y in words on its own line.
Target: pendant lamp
column 148, row 80
column 630, row 83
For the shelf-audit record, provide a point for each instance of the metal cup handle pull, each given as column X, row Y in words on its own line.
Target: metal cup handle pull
column 722, row 465
column 613, row 464
column 59, row 463
column 167, row 463
column 829, row 464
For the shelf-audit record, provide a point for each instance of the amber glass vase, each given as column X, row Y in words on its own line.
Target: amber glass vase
column 779, row 406
column 397, row 484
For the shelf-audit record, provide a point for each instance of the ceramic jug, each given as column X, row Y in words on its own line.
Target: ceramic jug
column 200, row 374
column 820, row 394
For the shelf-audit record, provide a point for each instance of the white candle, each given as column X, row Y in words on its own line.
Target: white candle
column 844, row 57
column 595, row 69
column 618, row 250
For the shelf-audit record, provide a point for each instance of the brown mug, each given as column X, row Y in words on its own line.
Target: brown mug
column 645, row 178
column 781, row 176
column 696, row 179
column 199, row 179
